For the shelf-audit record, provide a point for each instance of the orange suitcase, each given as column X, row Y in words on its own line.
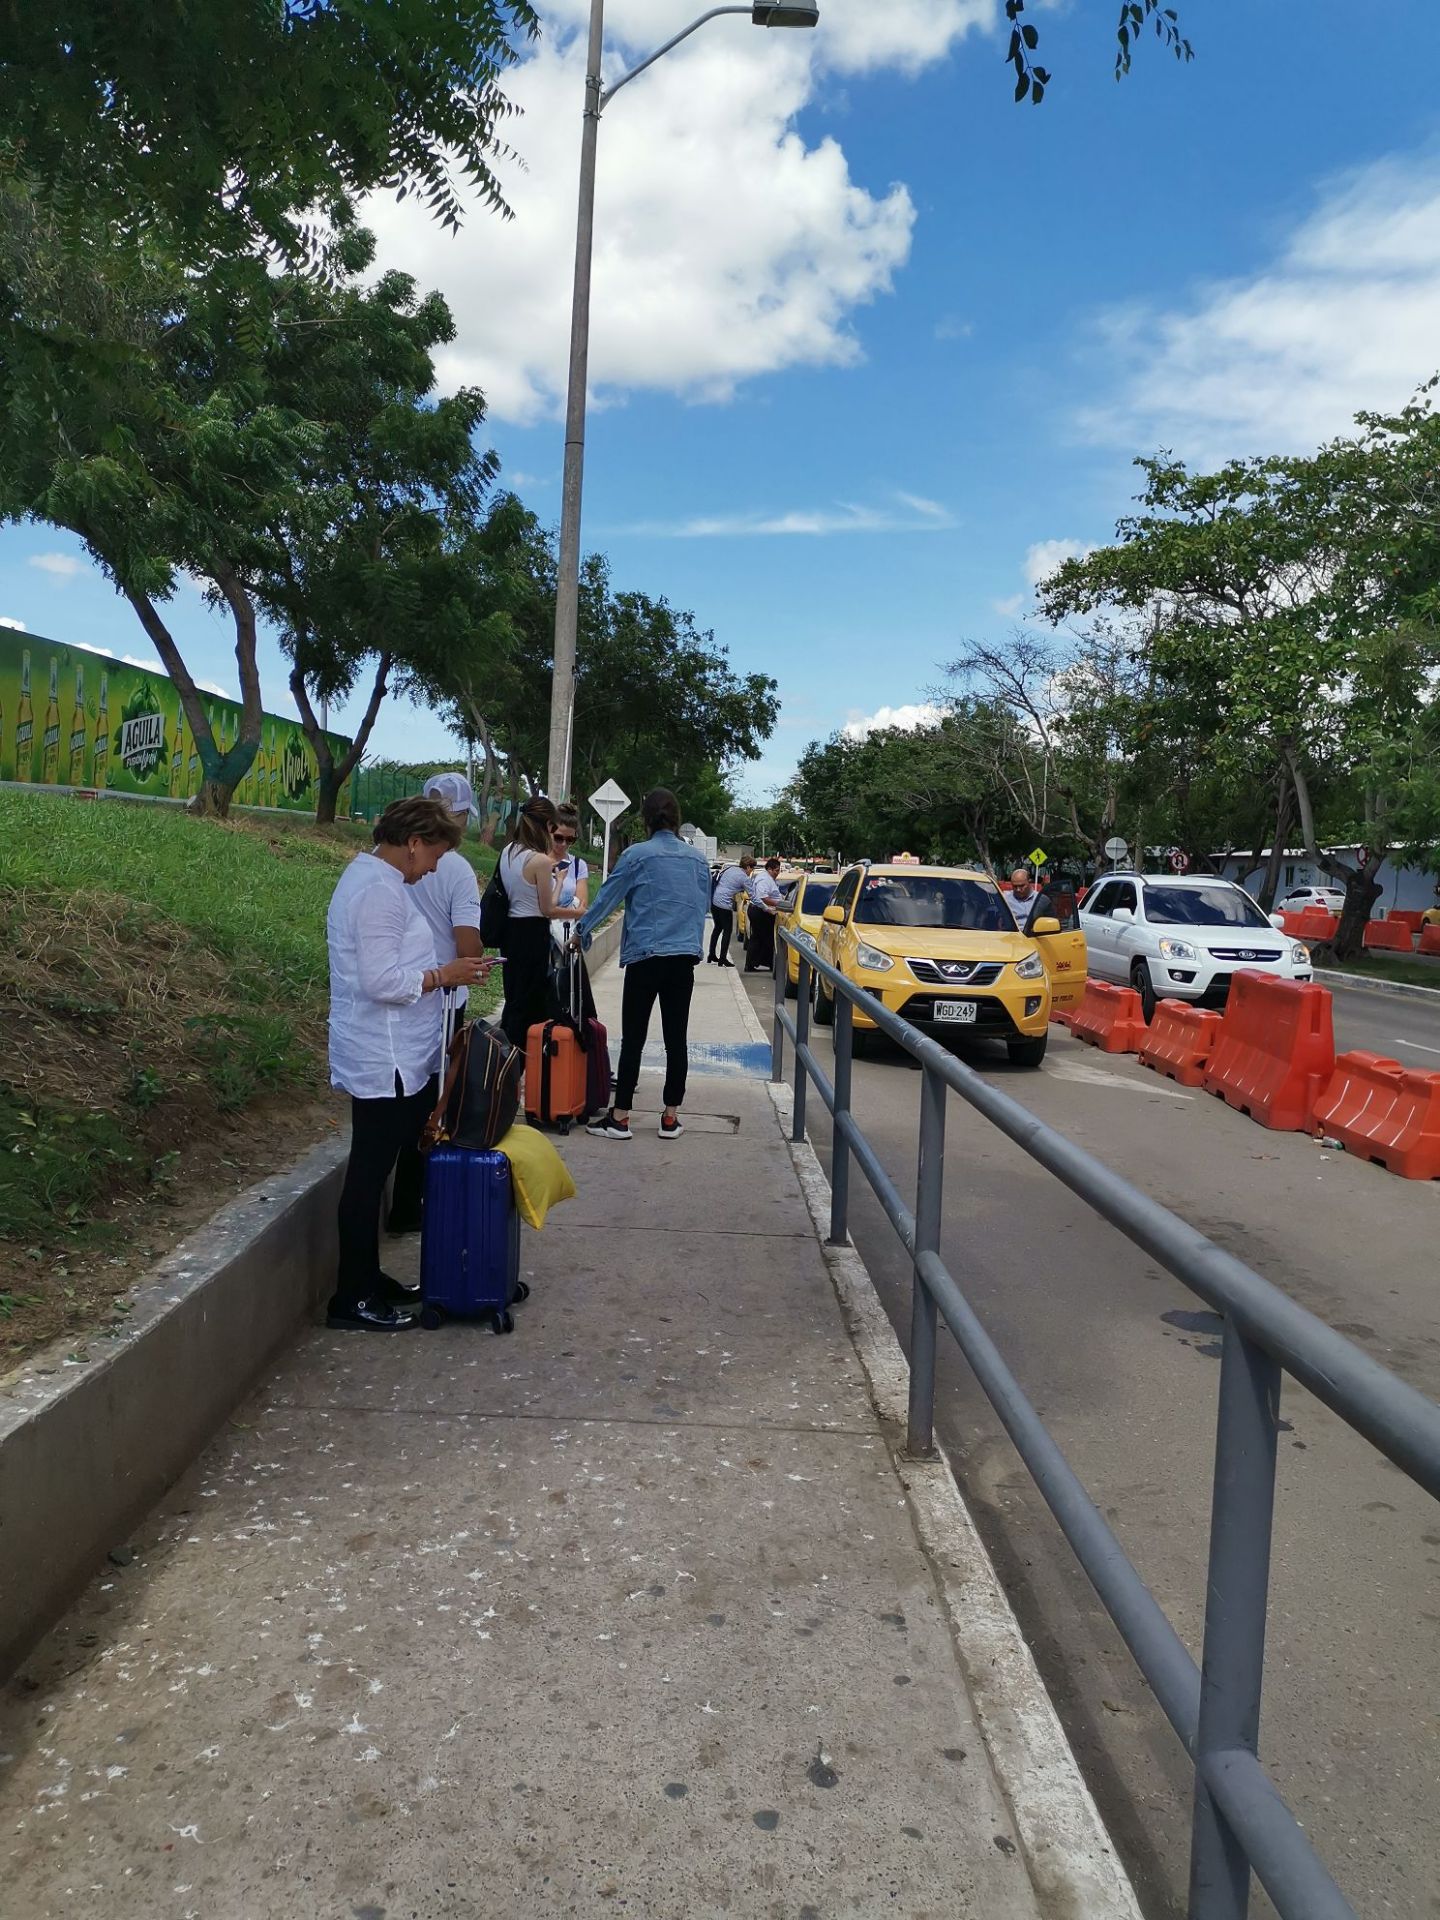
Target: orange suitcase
column 555, row 1075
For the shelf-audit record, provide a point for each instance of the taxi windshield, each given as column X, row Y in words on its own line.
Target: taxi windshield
column 816, row 898
column 932, row 900
column 1201, row 907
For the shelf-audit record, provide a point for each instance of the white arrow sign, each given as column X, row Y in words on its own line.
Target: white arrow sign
column 609, row 801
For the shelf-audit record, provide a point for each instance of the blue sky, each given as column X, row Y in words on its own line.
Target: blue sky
column 872, row 343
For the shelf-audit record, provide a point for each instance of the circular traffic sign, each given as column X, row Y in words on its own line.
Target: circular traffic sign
column 1179, row 861
column 1116, row 848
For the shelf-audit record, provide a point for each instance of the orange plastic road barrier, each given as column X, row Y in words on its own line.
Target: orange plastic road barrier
column 1429, row 940
column 1110, row 1018
column 1405, row 917
column 1388, row 936
column 1062, row 1016
column 1384, row 1112
column 1275, row 1051
column 1180, row 1041
column 1317, row 924
column 1294, row 923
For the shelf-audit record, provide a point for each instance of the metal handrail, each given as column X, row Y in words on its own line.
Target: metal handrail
column 1240, row 1821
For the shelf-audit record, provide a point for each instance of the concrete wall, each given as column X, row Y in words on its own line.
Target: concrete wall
column 86, row 1450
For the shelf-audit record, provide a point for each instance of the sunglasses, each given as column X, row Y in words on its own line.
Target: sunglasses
column 563, row 839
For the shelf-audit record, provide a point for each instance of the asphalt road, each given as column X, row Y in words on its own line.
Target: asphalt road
column 1122, row 1362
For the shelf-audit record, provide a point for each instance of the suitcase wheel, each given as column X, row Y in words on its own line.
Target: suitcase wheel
column 431, row 1318
column 566, row 1124
column 522, row 1289
column 503, row 1322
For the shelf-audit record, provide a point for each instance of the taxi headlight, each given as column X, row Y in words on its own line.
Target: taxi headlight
column 803, row 935
column 872, row 959
column 1032, row 967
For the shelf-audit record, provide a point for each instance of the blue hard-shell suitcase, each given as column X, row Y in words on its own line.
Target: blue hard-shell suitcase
column 470, row 1239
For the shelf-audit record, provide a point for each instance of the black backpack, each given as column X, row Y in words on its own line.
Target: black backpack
column 494, row 913
column 480, row 1093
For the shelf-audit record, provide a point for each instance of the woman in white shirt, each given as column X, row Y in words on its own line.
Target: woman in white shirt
column 385, row 1035
column 527, row 873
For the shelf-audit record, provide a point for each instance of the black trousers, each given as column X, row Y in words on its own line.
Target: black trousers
column 720, row 932
column 408, row 1191
column 379, row 1130
column 760, row 950
column 670, row 979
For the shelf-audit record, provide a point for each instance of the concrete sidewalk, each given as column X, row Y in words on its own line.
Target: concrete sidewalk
column 625, row 1612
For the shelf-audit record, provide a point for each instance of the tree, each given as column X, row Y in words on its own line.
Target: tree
column 657, row 702
column 1287, row 600
column 1031, row 79
column 301, row 470
column 241, row 131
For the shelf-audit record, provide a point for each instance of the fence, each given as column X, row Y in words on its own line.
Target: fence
column 1240, row 1822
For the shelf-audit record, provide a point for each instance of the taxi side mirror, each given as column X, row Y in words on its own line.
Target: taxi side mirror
column 834, row 916
column 1047, row 924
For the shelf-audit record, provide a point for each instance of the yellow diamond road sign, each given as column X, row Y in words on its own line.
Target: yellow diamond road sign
column 1037, row 858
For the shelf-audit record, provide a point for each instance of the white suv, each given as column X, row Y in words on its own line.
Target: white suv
column 1177, row 938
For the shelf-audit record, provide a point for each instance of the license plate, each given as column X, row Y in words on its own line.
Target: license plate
column 962, row 1010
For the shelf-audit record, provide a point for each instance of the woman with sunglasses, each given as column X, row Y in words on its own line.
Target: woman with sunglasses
column 572, row 885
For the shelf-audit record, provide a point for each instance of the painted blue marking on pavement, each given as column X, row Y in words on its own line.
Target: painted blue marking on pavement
column 713, row 1057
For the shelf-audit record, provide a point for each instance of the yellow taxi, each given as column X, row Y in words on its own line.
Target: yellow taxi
column 800, row 913
column 742, row 905
column 940, row 947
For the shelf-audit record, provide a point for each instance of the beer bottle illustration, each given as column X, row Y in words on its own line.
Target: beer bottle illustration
column 50, row 739
column 177, row 756
column 78, row 739
column 100, row 770
column 257, row 771
column 274, row 768
column 25, row 726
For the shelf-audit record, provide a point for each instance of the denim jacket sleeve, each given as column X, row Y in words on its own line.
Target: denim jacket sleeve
column 615, row 892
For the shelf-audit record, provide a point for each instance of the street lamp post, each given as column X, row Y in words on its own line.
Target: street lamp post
column 763, row 13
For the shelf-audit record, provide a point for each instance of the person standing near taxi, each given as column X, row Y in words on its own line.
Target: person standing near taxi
column 764, row 890
column 733, row 881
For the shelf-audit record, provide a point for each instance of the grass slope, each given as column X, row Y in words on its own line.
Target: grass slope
column 164, row 988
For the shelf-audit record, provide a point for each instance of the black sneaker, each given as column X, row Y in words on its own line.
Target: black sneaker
column 369, row 1316
column 725, row 963
column 610, row 1127
column 670, row 1129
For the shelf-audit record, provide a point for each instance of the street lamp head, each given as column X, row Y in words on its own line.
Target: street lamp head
column 769, row 13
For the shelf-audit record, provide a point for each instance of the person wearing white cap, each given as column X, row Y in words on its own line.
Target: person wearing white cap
column 449, row 899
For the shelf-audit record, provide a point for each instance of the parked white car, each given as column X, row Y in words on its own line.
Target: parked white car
column 1182, row 938
column 1328, row 899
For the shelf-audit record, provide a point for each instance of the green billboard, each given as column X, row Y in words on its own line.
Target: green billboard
column 76, row 719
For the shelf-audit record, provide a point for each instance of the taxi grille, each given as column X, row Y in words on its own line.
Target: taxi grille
column 956, row 973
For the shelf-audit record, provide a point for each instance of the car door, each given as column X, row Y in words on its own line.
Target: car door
column 1099, row 933
column 831, row 937
column 1064, row 954
column 1127, row 937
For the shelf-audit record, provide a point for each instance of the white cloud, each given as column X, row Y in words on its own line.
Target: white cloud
column 1346, row 318
column 1041, row 560
column 920, row 713
column 149, row 664
column 17, row 625
column 910, row 513
column 63, row 565
column 725, row 246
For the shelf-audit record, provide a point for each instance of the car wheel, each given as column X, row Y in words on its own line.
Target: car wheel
column 1142, row 983
column 824, row 1006
column 1027, row 1053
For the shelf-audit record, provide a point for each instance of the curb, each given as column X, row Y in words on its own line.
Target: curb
column 1366, row 984
column 88, row 1447
column 1069, row 1854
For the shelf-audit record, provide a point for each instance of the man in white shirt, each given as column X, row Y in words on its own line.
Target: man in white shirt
column 732, row 883
column 1026, row 900
column 764, row 890
column 449, row 902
